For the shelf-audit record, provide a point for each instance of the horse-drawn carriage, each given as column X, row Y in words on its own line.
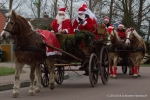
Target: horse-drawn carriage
column 84, row 52
column 29, row 48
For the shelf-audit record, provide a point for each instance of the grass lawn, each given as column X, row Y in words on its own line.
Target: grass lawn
column 145, row 65
column 7, row 71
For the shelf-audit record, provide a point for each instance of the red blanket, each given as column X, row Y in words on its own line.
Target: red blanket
column 51, row 39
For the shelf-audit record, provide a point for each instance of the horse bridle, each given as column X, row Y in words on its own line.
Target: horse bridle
column 15, row 23
column 129, row 38
column 11, row 27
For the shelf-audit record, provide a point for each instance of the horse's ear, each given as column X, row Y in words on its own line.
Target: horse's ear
column 14, row 15
column 9, row 13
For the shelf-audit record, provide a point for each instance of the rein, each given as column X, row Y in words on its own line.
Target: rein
column 24, row 35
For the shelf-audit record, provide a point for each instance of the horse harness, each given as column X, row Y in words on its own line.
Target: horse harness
column 25, row 47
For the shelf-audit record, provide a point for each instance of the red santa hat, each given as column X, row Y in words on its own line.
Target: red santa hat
column 62, row 10
column 84, row 5
column 81, row 10
column 121, row 25
column 106, row 19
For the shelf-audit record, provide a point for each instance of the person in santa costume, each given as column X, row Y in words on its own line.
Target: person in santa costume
column 62, row 23
column 106, row 22
column 108, row 25
column 94, row 19
column 121, row 31
column 83, row 21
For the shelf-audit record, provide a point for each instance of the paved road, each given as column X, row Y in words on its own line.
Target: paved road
column 78, row 88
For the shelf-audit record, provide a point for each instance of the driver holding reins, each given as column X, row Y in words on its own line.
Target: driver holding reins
column 83, row 21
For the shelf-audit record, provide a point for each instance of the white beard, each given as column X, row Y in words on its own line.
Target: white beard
column 82, row 16
column 60, row 19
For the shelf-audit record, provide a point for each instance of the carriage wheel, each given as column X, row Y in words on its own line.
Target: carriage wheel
column 104, row 69
column 44, row 74
column 60, row 75
column 93, row 69
column 124, row 69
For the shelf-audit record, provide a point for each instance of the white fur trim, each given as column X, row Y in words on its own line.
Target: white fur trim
column 75, row 30
column 66, row 30
column 84, row 23
column 53, row 53
column 52, row 31
column 106, row 19
column 121, row 25
column 60, row 27
column 81, row 12
column 61, row 12
column 111, row 27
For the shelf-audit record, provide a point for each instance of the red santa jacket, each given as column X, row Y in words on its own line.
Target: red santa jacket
column 87, row 25
column 121, row 33
column 107, row 25
column 65, row 25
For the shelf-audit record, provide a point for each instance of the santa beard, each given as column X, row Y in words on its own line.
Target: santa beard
column 60, row 19
column 82, row 16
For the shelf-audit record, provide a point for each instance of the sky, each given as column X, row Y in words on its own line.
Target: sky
column 26, row 12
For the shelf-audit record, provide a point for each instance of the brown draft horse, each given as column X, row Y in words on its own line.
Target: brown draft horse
column 113, row 56
column 135, row 42
column 29, row 49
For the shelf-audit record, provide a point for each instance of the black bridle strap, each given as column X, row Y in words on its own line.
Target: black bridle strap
column 7, row 30
column 24, row 35
column 11, row 28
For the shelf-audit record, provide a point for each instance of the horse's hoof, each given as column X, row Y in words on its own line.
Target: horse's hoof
column 37, row 91
column 15, row 95
column 52, row 86
column 114, row 76
column 139, row 75
column 130, row 74
column 31, row 94
column 135, row 76
column 110, row 75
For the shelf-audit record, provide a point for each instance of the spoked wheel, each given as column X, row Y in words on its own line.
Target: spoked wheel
column 45, row 74
column 93, row 69
column 60, row 75
column 104, row 68
column 124, row 69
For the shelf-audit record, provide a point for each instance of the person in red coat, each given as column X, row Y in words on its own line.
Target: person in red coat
column 121, row 31
column 83, row 21
column 106, row 22
column 62, row 23
column 94, row 19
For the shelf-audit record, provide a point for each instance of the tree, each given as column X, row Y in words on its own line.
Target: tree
column 10, row 4
column 111, row 10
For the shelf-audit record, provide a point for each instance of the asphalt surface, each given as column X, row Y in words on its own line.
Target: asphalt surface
column 77, row 87
column 7, row 82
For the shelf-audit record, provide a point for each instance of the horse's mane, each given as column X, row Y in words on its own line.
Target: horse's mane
column 23, row 22
column 137, row 35
column 115, row 32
